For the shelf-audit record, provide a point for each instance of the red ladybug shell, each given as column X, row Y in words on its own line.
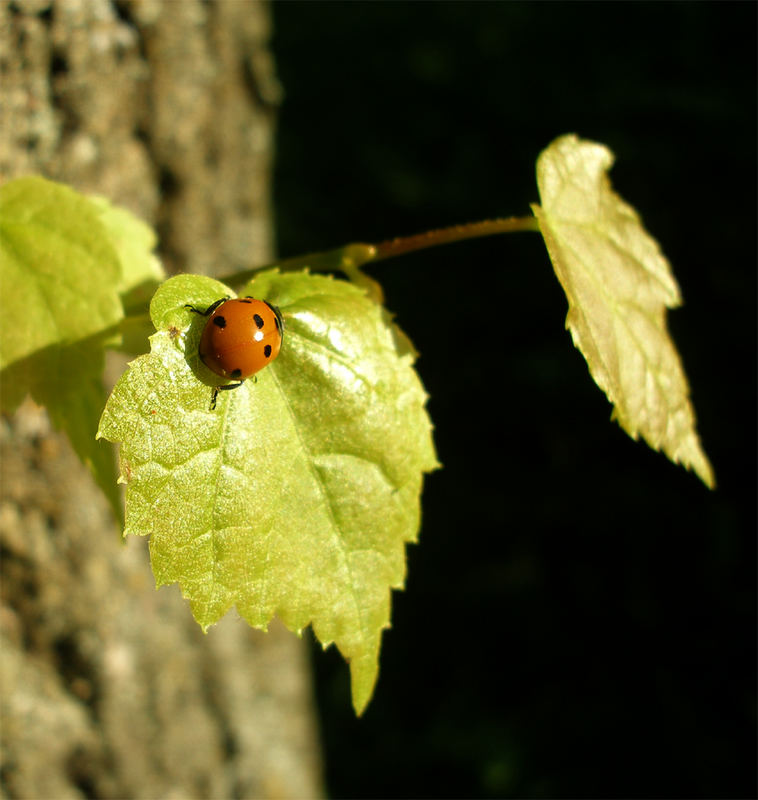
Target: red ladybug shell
column 241, row 337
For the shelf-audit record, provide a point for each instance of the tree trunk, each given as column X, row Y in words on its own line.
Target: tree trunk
column 109, row 688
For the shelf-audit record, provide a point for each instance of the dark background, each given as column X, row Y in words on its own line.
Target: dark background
column 580, row 614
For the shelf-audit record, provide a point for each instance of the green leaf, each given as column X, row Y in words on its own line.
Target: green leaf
column 63, row 260
column 134, row 242
column 141, row 273
column 618, row 285
column 60, row 271
column 296, row 496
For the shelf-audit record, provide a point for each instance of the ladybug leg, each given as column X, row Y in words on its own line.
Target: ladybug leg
column 208, row 311
column 217, row 389
column 229, row 386
column 278, row 315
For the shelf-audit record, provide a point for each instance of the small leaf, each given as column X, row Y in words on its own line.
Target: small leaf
column 296, row 496
column 618, row 285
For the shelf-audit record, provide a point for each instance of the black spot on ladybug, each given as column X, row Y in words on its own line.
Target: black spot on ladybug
column 235, row 373
column 267, row 351
column 246, row 300
column 219, row 321
column 258, row 320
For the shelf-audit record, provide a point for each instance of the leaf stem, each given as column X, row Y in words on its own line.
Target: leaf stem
column 455, row 233
column 351, row 257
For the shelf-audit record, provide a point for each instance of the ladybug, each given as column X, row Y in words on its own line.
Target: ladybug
column 240, row 338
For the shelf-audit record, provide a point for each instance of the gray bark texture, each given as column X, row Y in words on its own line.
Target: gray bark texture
column 108, row 688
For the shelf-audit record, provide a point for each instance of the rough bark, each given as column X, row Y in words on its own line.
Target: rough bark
column 109, row 688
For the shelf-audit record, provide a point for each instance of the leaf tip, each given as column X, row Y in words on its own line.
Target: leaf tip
column 702, row 467
column 364, row 671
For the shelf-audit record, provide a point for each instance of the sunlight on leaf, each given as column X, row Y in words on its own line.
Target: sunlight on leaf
column 63, row 257
column 134, row 242
column 58, row 264
column 296, row 496
column 618, row 285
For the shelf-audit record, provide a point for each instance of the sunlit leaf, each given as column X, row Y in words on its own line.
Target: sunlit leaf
column 64, row 258
column 295, row 497
column 618, row 285
column 134, row 242
column 59, row 269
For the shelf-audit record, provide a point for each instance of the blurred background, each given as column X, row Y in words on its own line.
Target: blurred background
column 580, row 614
